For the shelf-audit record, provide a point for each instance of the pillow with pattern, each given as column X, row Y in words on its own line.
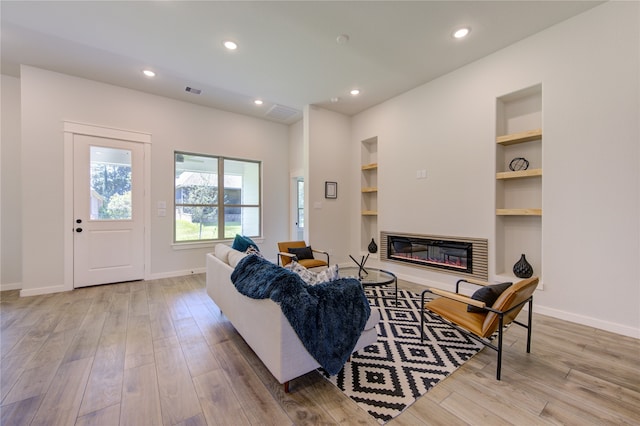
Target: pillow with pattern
column 253, row 250
column 313, row 278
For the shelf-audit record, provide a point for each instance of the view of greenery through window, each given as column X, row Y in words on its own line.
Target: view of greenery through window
column 110, row 184
column 203, row 211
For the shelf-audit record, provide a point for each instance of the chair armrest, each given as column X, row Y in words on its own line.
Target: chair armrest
column 476, row 282
column 458, row 297
column 321, row 252
column 472, row 281
column 291, row 255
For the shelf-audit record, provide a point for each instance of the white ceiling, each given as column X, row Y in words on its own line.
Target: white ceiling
column 288, row 55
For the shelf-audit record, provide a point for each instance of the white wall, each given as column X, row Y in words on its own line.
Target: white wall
column 327, row 137
column 589, row 70
column 10, row 218
column 50, row 98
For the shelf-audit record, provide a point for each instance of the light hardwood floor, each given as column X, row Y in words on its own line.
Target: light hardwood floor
column 160, row 352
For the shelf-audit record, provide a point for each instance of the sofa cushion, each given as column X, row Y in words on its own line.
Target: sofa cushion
column 488, row 294
column 242, row 243
column 236, row 256
column 301, row 252
column 222, row 252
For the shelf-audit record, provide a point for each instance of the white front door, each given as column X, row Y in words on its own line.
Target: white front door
column 108, row 209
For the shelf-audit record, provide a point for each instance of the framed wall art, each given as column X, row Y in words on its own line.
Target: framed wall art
column 331, row 190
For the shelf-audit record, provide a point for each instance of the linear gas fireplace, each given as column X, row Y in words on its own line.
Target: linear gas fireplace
column 459, row 256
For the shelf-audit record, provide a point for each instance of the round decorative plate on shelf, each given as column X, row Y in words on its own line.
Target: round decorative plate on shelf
column 518, row 163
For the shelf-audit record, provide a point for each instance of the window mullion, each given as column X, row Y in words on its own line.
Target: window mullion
column 221, row 224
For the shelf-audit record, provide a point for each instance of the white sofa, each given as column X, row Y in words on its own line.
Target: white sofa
column 262, row 324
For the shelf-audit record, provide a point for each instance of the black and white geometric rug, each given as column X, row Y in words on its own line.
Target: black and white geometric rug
column 387, row 377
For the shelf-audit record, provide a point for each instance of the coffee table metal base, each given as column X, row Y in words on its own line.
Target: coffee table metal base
column 371, row 277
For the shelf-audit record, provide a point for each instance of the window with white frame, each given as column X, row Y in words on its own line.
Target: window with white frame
column 216, row 197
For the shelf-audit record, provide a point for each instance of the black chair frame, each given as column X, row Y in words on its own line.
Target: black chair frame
column 485, row 342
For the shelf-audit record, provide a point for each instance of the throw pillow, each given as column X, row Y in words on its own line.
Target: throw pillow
column 488, row 294
column 254, row 251
column 242, row 243
column 302, row 252
column 326, row 275
column 306, row 275
column 313, row 278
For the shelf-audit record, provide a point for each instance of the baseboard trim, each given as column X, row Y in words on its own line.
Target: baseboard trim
column 43, row 290
column 173, row 274
column 588, row 321
column 10, row 286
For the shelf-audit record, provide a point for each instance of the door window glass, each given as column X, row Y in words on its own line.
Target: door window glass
column 110, row 187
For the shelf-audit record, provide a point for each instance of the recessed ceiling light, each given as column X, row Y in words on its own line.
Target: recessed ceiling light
column 230, row 45
column 355, row 92
column 342, row 39
column 149, row 73
column 461, row 33
column 258, row 102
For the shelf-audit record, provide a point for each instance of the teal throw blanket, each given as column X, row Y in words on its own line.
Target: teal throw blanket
column 328, row 317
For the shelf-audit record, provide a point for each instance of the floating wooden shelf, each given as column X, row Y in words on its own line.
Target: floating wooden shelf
column 519, row 212
column 371, row 166
column 514, row 138
column 370, row 189
column 369, row 213
column 519, row 174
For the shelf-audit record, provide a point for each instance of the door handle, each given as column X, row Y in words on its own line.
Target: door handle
column 78, row 229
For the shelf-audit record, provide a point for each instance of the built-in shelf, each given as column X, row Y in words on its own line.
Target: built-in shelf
column 368, row 192
column 519, row 212
column 519, row 174
column 521, row 137
column 518, row 196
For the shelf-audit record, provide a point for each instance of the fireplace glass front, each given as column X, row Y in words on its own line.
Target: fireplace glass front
column 451, row 255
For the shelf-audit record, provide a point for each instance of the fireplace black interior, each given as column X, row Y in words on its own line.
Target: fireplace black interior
column 450, row 255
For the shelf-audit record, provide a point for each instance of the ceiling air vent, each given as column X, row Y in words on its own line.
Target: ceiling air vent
column 282, row 113
column 192, row 90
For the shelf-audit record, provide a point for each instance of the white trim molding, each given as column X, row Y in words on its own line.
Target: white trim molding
column 106, row 132
column 612, row 327
column 10, row 286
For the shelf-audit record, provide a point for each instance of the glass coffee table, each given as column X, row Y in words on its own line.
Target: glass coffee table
column 373, row 277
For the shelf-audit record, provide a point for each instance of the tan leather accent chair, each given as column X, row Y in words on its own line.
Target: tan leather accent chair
column 451, row 308
column 286, row 257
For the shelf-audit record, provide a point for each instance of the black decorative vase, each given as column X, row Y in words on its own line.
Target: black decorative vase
column 522, row 268
column 373, row 247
